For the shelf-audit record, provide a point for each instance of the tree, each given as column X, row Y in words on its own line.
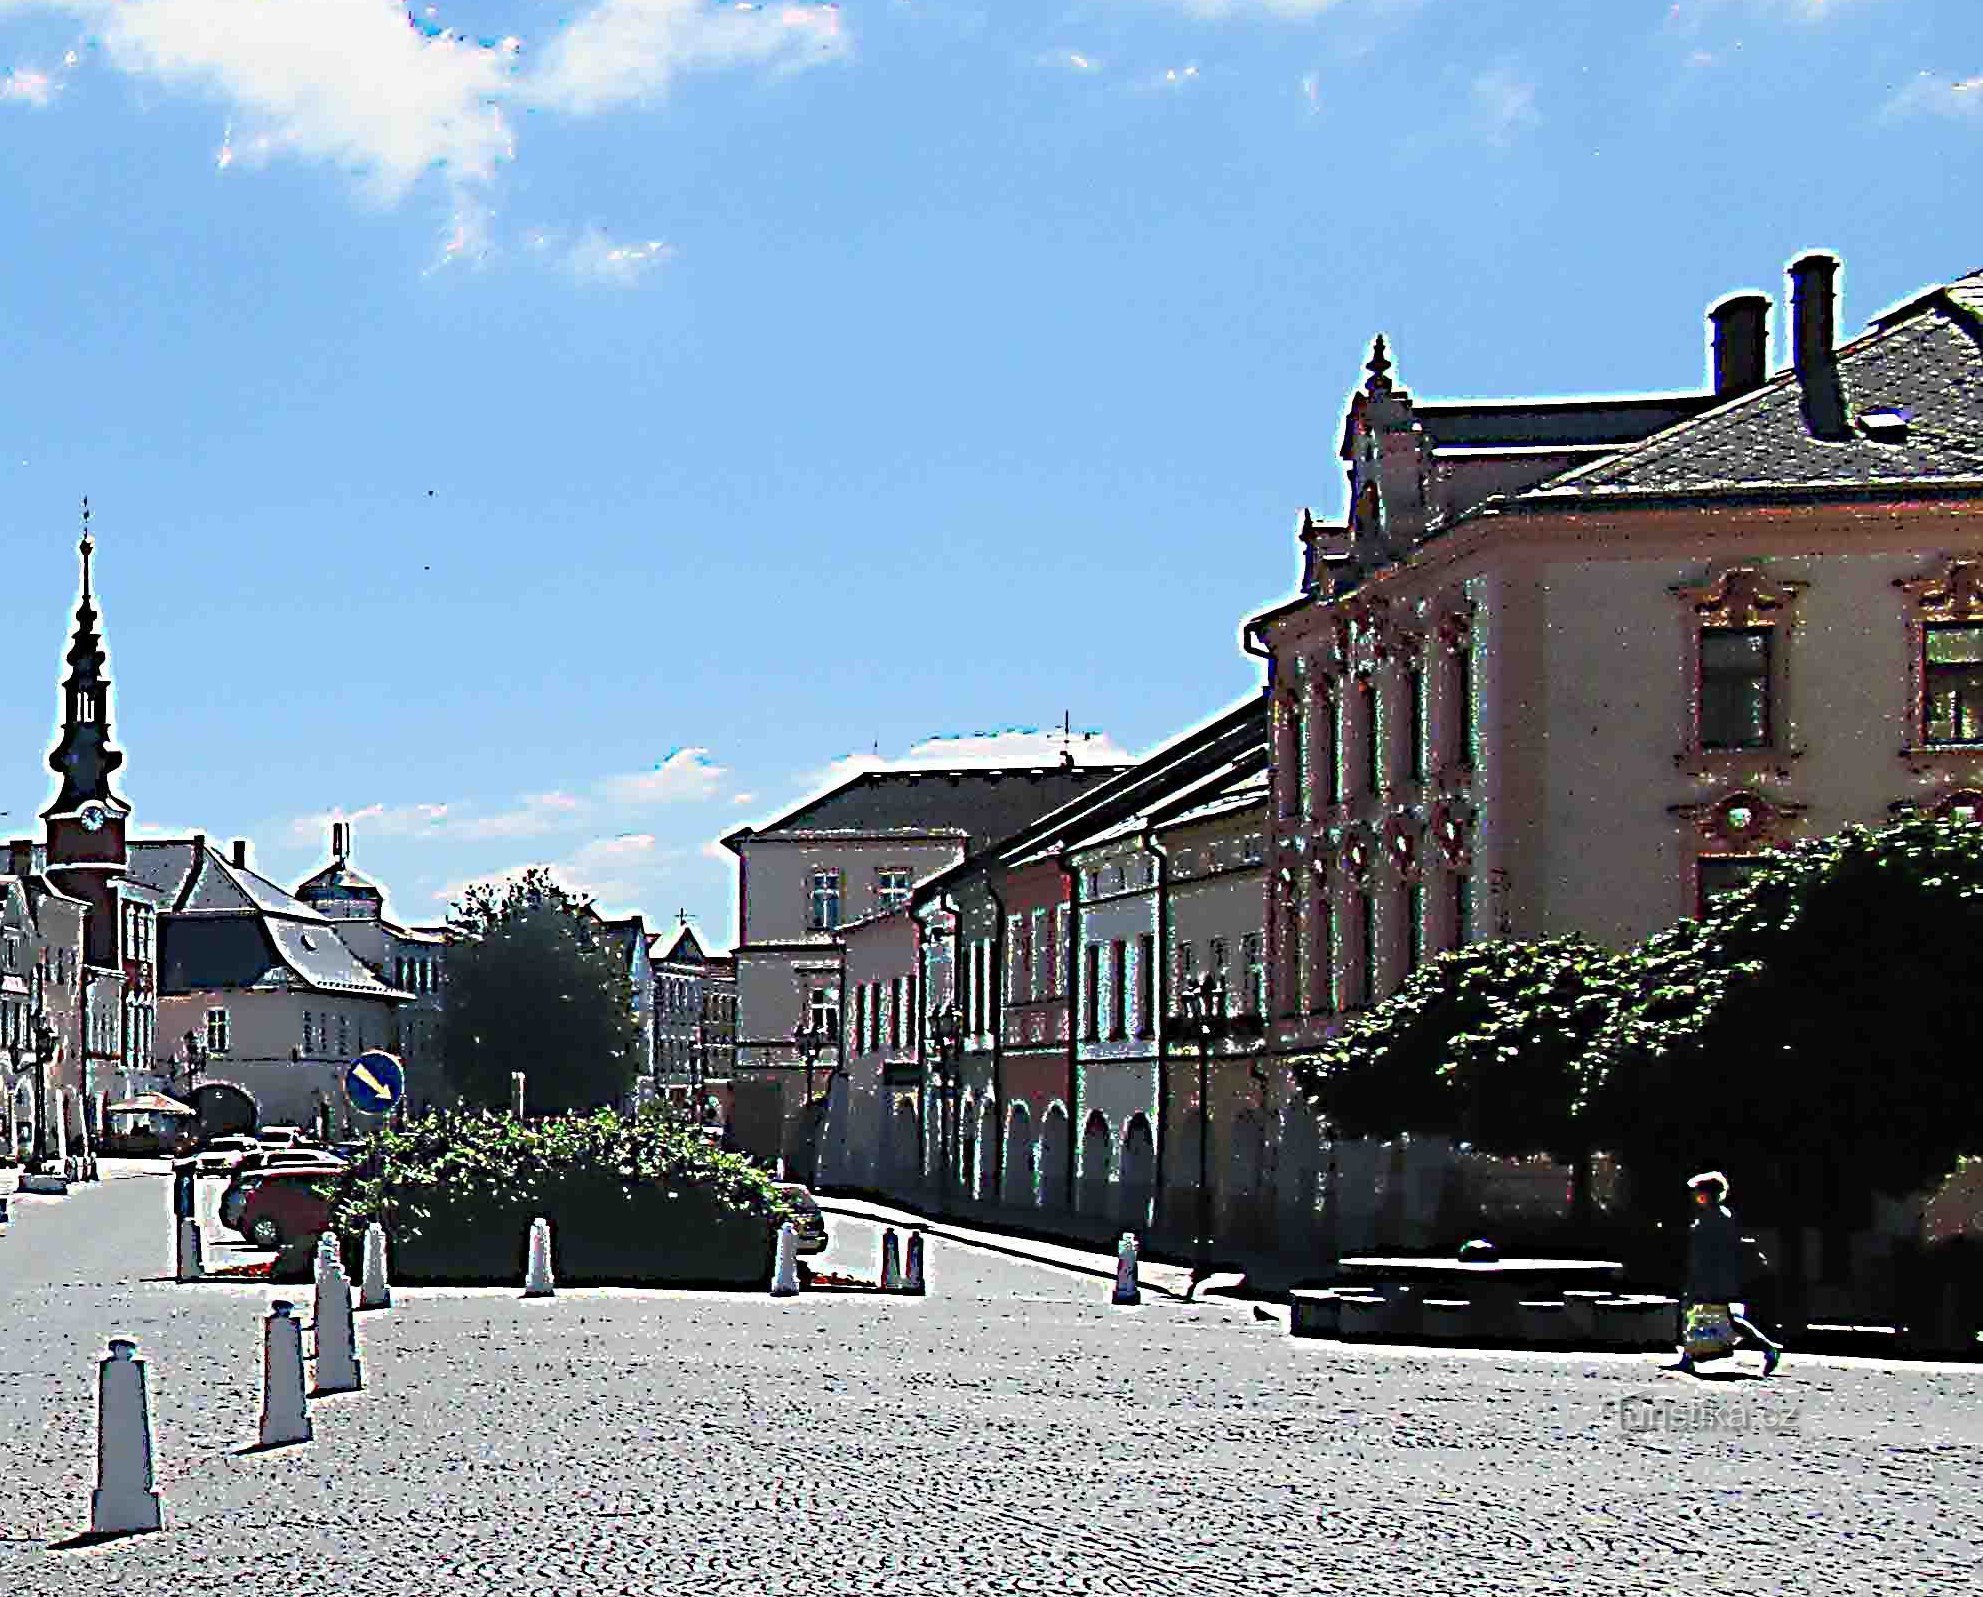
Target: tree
column 533, row 987
column 1816, row 1035
column 1486, row 1044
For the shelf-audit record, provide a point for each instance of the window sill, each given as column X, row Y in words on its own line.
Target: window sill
column 1741, row 764
column 1932, row 757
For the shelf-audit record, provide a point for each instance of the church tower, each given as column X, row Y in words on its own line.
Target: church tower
column 86, row 852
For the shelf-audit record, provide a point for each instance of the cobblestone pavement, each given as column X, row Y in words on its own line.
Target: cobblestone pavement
column 1011, row 1432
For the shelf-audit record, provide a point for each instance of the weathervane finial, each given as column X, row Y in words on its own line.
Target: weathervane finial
column 1379, row 368
column 87, row 546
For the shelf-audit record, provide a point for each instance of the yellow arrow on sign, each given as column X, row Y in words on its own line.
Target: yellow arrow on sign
column 373, row 1082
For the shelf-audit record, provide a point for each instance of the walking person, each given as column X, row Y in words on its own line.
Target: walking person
column 1720, row 1264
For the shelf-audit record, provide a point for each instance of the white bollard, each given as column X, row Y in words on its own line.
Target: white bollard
column 337, row 1338
column 891, row 1262
column 913, row 1277
column 123, row 1500
column 1126, row 1291
column 785, row 1279
column 285, row 1413
column 537, row 1279
column 377, row 1293
column 191, row 1266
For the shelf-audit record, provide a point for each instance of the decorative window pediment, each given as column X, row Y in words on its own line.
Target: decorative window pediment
column 1945, row 671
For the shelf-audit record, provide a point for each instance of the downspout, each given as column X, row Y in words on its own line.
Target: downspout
column 1160, row 1004
column 919, row 1038
column 1075, row 998
column 998, row 979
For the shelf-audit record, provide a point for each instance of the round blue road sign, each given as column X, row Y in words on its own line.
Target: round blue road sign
column 375, row 1083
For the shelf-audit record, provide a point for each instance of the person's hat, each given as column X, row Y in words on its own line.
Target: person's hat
column 1710, row 1178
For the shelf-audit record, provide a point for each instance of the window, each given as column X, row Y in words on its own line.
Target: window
column 1366, row 907
column 825, row 900
column 1373, row 753
column 309, row 1032
column 1466, row 720
column 1415, row 924
column 1146, row 986
column 1091, row 1006
column 1215, row 956
column 1187, row 964
column 863, row 1018
column 1735, row 687
column 898, row 1030
column 1322, row 959
column 1254, row 849
column 823, row 1011
column 1462, row 910
column 1415, row 708
column 1118, row 989
column 1253, row 958
column 216, row 1031
column 343, row 1035
column 891, row 887
column 1336, row 750
column 1304, row 762
column 1718, row 875
column 1953, row 700
column 1018, row 957
column 1042, row 953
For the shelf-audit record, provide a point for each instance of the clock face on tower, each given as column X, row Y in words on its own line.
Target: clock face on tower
column 92, row 816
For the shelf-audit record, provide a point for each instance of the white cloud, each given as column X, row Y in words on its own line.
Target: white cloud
column 686, row 775
column 27, row 86
column 1942, row 96
column 628, row 50
column 1311, row 90
column 1504, row 104
column 616, row 872
column 595, row 258
column 1177, row 77
column 394, row 99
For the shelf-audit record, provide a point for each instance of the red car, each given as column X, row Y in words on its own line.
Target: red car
column 286, row 1205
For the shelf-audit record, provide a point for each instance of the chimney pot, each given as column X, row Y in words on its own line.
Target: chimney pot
column 199, row 844
column 1741, row 344
column 240, row 853
column 1813, row 310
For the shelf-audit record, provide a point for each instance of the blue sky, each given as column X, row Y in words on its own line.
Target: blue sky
column 565, row 433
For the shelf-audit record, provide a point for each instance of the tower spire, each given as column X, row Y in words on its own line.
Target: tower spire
column 84, row 758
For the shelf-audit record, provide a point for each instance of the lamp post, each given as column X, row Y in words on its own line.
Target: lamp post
column 946, row 1029
column 44, row 1050
column 811, row 1038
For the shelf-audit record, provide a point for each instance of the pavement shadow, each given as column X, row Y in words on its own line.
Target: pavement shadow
column 94, row 1538
column 269, row 1447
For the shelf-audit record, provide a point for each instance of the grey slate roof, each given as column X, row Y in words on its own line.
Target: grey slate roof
column 1924, row 358
column 222, row 925
column 983, row 806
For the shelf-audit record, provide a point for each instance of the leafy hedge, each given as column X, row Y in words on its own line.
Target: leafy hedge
column 631, row 1201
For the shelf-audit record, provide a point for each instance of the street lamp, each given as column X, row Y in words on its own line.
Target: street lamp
column 46, row 1040
column 1207, row 1014
column 946, row 1030
column 812, row 1038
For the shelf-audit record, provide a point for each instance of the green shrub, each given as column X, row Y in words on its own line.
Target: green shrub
column 631, row 1201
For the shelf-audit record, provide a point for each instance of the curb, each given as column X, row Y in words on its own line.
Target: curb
column 989, row 1242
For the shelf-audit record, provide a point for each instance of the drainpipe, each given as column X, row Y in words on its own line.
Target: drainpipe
column 997, row 1017
column 1074, row 1001
column 1160, row 1004
column 919, row 1038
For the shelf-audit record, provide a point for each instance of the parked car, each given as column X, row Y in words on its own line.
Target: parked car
column 219, row 1157
column 255, row 1164
column 286, row 1205
column 810, row 1223
column 284, row 1137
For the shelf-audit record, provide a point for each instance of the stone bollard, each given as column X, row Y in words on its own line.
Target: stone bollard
column 124, row 1500
column 891, row 1262
column 376, row 1293
column 337, row 1338
column 190, row 1265
column 785, row 1278
column 537, row 1279
column 913, row 1275
column 1126, row 1290
column 285, row 1413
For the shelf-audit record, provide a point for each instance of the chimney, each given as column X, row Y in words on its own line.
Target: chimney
column 340, row 840
column 20, row 858
column 1813, row 324
column 240, row 853
column 1741, row 344
column 199, row 846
